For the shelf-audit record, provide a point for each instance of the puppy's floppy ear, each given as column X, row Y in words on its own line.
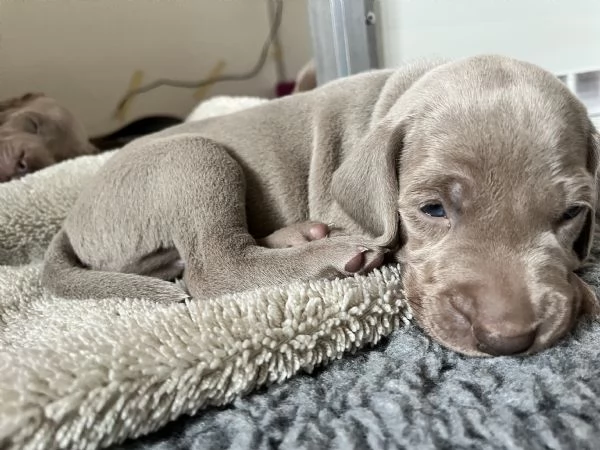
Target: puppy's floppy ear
column 583, row 244
column 365, row 185
column 587, row 296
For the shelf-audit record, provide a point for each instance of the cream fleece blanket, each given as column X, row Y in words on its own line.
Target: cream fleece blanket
column 91, row 373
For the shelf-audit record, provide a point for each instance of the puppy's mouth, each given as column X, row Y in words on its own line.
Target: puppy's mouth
column 452, row 330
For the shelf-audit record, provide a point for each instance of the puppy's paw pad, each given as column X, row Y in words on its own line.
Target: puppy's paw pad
column 374, row 260
column 356, row 256
column 356, row 263
column 365, row 261
column 318, row 230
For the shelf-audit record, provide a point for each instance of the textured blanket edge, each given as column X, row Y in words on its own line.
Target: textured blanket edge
column 176, row 360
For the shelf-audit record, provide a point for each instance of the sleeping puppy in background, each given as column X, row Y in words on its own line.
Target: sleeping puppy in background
column 478, row 175
column 36, row 132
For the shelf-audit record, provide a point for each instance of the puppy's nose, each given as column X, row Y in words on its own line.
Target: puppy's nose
column 496, row 343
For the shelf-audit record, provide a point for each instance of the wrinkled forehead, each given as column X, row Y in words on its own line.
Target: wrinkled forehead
column 493, row 154
column 515, row 128
column 499, row 140
column 497, row 96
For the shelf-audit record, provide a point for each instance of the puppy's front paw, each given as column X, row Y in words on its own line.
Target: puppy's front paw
column 365, row 261
column 351, row 255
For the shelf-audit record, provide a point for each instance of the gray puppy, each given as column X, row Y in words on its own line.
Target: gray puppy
column 478, row 174
column 35, row 132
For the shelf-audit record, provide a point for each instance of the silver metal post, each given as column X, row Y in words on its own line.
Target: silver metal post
column 343, row 37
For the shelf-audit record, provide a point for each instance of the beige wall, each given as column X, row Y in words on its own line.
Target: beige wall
column 84, row 52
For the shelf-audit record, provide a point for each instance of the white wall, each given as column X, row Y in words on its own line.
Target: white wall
column 560, row 35
column 84, row 52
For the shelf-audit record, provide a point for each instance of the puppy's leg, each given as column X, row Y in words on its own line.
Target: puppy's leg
column 241, row 266
column 210, row 231
column 295, row 235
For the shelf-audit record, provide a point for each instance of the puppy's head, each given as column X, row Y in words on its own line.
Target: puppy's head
column 484, row 170
column 497, row 201
column 35, row 132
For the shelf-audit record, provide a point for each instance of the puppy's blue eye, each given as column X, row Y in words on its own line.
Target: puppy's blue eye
column 434, row 210
column 571, row 213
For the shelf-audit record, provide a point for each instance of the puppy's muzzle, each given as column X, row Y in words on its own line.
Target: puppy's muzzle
column 500, row 313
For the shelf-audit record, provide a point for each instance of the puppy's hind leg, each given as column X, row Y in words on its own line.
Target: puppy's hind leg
column 210, row 231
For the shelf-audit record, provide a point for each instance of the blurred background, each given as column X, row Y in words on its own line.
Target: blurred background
column 89, row 53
